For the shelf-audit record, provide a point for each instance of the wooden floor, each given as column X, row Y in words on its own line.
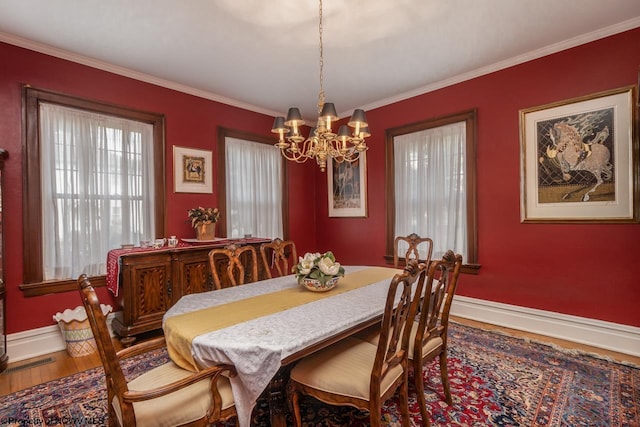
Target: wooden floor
column 27, row 373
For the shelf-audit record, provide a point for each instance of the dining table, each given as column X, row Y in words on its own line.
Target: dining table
column 263, row 326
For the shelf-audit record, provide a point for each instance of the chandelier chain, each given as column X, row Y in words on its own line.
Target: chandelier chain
column 324, row 142
column 321, row 93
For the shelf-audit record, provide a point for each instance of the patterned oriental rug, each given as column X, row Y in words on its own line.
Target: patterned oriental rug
column 496, row 380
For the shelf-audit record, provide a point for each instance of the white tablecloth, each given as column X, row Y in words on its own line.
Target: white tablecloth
column 257, row 347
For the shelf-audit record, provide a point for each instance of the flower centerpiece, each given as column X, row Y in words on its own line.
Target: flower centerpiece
column 204, row 221
column 318, row 272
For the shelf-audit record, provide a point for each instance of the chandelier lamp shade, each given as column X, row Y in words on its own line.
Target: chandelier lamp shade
column 323, row 142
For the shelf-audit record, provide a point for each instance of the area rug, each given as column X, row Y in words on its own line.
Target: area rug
column 496, row 380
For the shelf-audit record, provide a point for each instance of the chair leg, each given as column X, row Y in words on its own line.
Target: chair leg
column 375, row 413
column 404, row 403
column 297, row 418
column 445, row 377
column 418, row 380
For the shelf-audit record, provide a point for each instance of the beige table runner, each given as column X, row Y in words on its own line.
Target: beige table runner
column 181, row 329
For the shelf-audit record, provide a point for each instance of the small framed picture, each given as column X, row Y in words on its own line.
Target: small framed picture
column 192, row 170
column 347, row 183
column 579, row 159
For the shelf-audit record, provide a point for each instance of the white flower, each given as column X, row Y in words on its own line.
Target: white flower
column 305, row 264
column 310, row 257
column 328, row 266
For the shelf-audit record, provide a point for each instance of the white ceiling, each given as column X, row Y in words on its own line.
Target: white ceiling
column 263, row 54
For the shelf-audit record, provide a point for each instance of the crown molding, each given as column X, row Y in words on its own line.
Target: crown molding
column 126, row 72
column 516, row 60
column 148, row 78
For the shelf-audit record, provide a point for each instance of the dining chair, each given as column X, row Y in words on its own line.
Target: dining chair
column 280, row 255
column 428, row 335
column 233, row 265
column 414, row 245
column 357, row 373
column 166, row 395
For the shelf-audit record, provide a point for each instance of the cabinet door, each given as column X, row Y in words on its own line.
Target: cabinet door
column 192, row 273
column 151, row 292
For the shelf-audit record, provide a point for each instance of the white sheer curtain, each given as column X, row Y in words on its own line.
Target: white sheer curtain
column 97, row 188
column 254, row 189
column 430, row 187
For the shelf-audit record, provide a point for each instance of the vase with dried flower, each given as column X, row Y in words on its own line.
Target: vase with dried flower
column 204, row 221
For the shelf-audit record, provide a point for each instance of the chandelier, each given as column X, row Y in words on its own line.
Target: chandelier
column 323, row 142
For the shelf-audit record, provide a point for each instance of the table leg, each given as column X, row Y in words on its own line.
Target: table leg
column 278, row 402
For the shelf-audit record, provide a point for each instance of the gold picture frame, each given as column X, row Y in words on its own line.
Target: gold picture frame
column 579, row 159
column 192, row 170
column 347, row 185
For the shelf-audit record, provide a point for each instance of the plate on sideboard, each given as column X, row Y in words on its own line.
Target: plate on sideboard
column 217, row 239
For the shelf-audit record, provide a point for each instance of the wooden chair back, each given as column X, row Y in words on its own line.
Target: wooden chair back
column 415, row 244
column 394, row 334
column 278, row 257
column 233, row 265
column 115, row 379
column 434, row 305
column 442, row 279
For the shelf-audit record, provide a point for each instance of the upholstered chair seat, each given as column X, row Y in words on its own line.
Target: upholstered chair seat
column 344, row 369
column 372, row 336
column 182, row 407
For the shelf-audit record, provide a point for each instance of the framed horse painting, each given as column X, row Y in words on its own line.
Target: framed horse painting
column 192, row 170
column 347, row 185
column 579, row 159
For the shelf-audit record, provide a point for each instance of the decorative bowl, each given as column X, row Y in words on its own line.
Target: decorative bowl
column 158, row 243
column 315, row 285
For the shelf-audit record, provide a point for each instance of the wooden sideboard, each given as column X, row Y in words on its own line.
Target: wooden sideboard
column 151, row 282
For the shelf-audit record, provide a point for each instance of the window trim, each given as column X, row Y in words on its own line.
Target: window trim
column 223, row 134
column 31, row 203
column 469, row 117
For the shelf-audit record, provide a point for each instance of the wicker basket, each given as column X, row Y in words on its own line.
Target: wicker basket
column 79, row 338
column 76, row 330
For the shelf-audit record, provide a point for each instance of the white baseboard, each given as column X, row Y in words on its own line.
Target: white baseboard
column 611, row 336
column 40, row 341
column 597, row 333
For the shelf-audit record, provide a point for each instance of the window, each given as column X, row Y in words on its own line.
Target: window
column 252, row 186
column 94, row 181
column 431, row 184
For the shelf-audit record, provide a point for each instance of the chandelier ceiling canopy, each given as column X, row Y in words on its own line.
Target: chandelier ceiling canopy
column 323, row 142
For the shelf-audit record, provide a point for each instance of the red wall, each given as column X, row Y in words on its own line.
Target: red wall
column 585, row 270
column 190, row 121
